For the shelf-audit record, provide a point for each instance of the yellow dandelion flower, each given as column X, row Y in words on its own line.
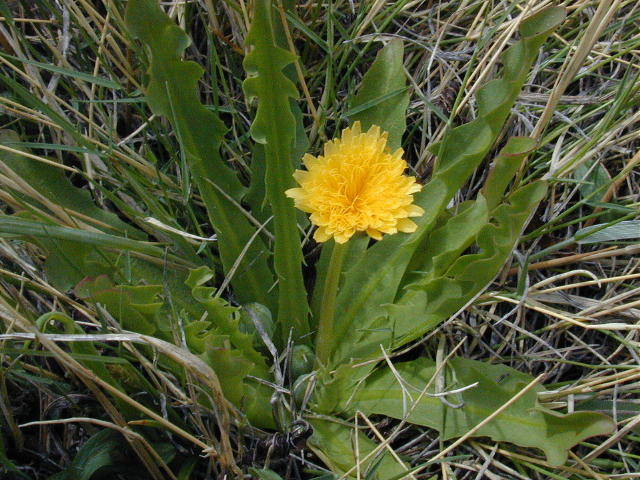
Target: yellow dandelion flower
column 357, row 186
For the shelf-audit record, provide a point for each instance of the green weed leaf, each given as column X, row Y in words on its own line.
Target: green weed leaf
column 382, row 99
column 136, row 308
column 275, row 127
column 375, row 280
column 504, row 167
column 220, row 341
column 264, row 474
column 104, row 449
column 433, row 299
column 172, row 92
column 32, row 228
column 334, row 442
column 224, row 320
column 51, row 183
column 524, row 423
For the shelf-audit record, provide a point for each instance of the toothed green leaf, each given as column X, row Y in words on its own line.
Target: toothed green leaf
column 524, row 423
column 274, row 126
column 172, row 91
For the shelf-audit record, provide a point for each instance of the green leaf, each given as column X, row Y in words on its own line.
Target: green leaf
column 431, row 300
column 446, row 286
column 172, row 91
column 375, row 280
column 24, row 227
column 504, row 167
column 136, row 308
column 524, row 423
column 275, row 127
column 50, row 182
column 622, row 410
column 447, row 242
column 220, row 341
column 232, row 368
column 264, row 474
column 103, row 449
column 67, row 261
column 382, row 99
column 334, row 442
column 225, row 319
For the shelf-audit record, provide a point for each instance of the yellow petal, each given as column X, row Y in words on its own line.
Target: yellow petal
column 321, row 235
column 375, row 234
column 407, row 226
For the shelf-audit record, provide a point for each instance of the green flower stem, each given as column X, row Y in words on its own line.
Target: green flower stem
column 324, row 339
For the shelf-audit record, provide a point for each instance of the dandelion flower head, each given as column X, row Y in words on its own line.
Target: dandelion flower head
column 358, row 185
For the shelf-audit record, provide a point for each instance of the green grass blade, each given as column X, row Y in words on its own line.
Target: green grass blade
column 32, row 228
column 103, row 82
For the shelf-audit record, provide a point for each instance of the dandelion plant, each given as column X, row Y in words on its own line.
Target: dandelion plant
column 278, row 324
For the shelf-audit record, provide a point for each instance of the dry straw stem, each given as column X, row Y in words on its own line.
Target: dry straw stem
column 598, row 282
column 536, row 461
column 385, row 442
column 129, row 434
column 185, row 358
column 566, row 317
column 382, row 439
column 140, row 448
column 608, row 252
column 631, row 424
column 602, row 17
column 470, row 433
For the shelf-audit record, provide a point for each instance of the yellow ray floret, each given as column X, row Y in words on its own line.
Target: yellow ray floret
column 357, row 186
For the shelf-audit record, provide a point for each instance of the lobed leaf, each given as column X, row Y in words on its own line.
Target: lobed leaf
column 219, row 340
column 275, row 127
column 137, row 308
column 172, row 92
column 432, row 300
column 224, row 320
column 525, row 423
column 504, row 167
column 375, row 280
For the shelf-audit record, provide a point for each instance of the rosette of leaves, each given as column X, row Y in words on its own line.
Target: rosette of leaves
column 400, row 288
column 395, row 290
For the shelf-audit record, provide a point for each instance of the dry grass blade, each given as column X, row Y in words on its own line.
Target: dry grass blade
column 185, row 358
column 72, row 93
